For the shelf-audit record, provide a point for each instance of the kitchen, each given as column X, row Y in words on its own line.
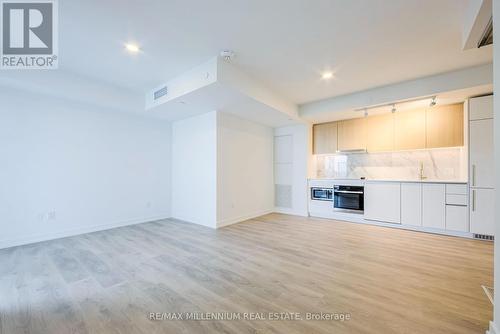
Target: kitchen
column 427, row 169
column 330, row 160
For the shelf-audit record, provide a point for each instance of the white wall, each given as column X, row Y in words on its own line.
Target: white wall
column 496, row 131
column 67, row 168
column 244, row 169
column 194, row 175
column 292, row 165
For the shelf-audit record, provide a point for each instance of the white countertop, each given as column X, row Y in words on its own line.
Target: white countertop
column 392, row 180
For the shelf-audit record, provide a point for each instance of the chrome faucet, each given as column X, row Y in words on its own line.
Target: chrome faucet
column 422, row 177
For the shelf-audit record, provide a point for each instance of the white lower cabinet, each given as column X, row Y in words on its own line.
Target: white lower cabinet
column 411, row 204
column 383, row 201
column 422, row 205
column 482, row 211
column 456, row 218
column 321, row 207
column 434, row 205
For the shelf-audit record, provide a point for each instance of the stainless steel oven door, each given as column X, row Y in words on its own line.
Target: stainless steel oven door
column 349, row 199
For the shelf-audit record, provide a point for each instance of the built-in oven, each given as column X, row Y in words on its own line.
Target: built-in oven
column 322, row 194
column 348, row 199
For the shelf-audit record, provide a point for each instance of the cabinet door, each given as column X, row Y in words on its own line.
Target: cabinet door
column 433, row 205
column 481, row 107
column 456, row 218
column 352, row 134
column 411, row 204
column 409, row 130
column 445, row 126
column 482, row 171
column 380, row 133
column 482, row 204
column 383, row 202
column 325, row 138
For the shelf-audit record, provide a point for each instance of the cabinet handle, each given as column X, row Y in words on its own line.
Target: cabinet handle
column 473, row 175
column 473, row 200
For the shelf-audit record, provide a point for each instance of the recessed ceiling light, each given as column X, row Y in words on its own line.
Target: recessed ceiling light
column 133, row 48
column 327, row 75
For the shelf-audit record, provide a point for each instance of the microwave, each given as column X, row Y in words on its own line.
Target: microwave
column 322, row 194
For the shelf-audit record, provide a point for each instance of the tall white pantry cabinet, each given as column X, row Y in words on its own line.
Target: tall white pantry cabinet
column 481, row 165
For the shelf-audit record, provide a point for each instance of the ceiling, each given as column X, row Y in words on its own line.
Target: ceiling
column 285, row 44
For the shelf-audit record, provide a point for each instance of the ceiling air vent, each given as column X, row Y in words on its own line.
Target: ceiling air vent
column 484, row 237
column 487, row 37
column 160, row 92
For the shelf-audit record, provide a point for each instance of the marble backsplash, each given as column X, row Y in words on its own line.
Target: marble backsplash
column 439, row 164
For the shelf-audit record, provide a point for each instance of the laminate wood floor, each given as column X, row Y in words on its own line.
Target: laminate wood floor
column 387, row 280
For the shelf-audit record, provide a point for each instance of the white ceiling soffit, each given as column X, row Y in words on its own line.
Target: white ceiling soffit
column 218, row 85
column 477, row 17
column 450, row 87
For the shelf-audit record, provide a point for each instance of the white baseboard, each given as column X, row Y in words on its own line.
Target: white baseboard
column 188, row 221
column 29, row 239
column 419, row 229
column 493, row 329
column 359, row 219
column 288, row 211
column 239, row 219
column 348, row 217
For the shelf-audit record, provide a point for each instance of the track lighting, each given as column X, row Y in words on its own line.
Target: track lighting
column 401, row 104
column 433, row 102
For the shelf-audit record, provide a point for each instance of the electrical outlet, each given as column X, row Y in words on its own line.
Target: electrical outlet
column 51, row 215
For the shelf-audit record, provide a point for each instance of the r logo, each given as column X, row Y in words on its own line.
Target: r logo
column 27, row 28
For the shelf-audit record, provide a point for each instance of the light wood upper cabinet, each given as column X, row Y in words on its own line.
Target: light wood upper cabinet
column 445, row 126
column 409, row 130
column 380, row 133
column 440, row 126
column 352, row 134
column 325, row 138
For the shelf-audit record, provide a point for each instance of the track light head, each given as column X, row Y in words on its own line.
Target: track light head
column 433, row 102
